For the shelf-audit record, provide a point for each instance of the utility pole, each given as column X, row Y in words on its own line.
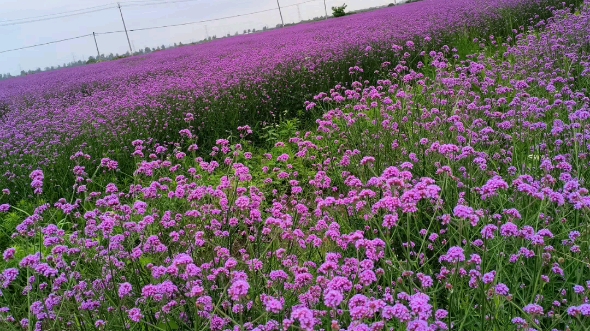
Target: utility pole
column 281, row 13
column 125, row 27
column 326, row 9
column 299, row 13
column 97, row 51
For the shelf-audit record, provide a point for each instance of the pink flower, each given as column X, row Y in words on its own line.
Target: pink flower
column 333, row 298
column 533, row 309
column 238, row 289
column 135, row 315
column 9, row 254
column 124, row 290
column 305, row 318
column 283, row 158
column 454, row 255
column 489, row 277
column 272, row 304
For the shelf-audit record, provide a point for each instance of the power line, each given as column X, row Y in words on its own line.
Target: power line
column 47, row 43
column 300, row 3
column 46, row 15
column 143, row 3
column 203, row 21
column 220, row 18
column 93, row 9
column 56, row 17
column 109, row 32
column 154, row 27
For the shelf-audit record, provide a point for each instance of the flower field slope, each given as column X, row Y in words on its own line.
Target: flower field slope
column 449, row 194
column 227, row 83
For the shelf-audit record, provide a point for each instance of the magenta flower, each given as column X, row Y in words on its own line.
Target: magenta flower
column 333, row 298
column 305, row 318
column 135, row 314
column 238, row 289
column 533, row 309
column 9, row 254
column 124, row 290
column 502, row 289
column 454, row 255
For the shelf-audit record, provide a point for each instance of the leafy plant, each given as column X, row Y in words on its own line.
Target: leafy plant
column 339, row 11
column 281, row 131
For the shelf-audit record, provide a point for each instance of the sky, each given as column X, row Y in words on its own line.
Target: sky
column 103, row 16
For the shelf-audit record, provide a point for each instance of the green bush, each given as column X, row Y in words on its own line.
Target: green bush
column 339, row 11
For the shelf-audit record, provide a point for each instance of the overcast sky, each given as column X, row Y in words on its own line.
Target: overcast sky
column 137, row 14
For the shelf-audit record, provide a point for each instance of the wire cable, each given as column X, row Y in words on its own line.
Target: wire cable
column 153, row 27
column 47, row 43
column 142, row 3
column 56, row 17
column 203, row 21
column 54, row 14
column 109, row 32
column 300, row 3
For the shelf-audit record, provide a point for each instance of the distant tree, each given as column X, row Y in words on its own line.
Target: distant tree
column 91, row 59
column 237, row 33
column 162, row 47
column 245, row 31
column 339, row 11
column 253, row 30
column 249, row 30
column 147, row 50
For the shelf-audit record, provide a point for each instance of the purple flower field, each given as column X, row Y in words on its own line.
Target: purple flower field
column 448, row 193
column 44, row 116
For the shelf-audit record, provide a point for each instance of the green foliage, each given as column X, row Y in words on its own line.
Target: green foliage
column 339, row 11
column 281, row 131
column 9, row 221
